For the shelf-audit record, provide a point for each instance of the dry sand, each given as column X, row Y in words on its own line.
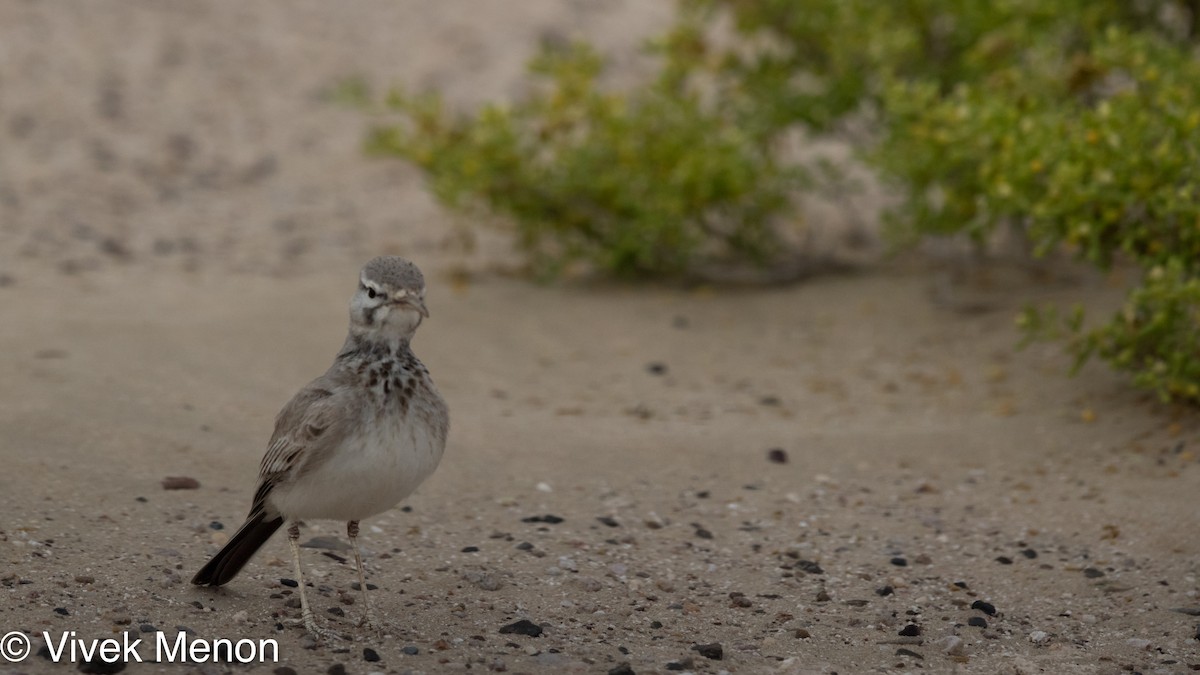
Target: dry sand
column 182, row 215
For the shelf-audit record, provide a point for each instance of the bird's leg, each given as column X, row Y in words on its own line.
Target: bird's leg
column 352, row 532
column 306, row 613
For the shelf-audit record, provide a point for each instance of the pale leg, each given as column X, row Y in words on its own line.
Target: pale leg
column 306, row 613
column 352, row 532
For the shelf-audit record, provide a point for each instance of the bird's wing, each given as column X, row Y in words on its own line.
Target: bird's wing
column 308, row 427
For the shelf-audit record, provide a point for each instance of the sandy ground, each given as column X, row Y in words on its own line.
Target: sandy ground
column 182, row 216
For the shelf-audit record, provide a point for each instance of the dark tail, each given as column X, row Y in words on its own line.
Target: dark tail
column 229, row 561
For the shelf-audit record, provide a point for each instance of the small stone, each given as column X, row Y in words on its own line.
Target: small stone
column 609, row 521
column 240, row 616
column 951, row 645
column 985, row 607
column 85, row 579
column 524, row 546
column 809, row 566
column 61, row 611
column 410, row 650
column 523, row 627
column 911, row 630
column 327, row 543
column 622, row 668
column 899, row 562
column 470, row 549
column 101, row 667
column 290, row 583
column 682, row 664
column 656, row 368
column 568, row 563
column 1004, row 560
column 1029, row 553
column 1039, row 637
column 370, row 655
column 336, row 611
column 823, row 596
column 180, row 483
column 977, row 621
column 908, row 652
column 702, row 532
column 711, row 651
column 147, row 628
column 1092, row 573
column 803, row 634
column 777, row 455
column 548, row 519
column 1138, row 643
column 885, row 591
column 336, row 669
column 216, row 525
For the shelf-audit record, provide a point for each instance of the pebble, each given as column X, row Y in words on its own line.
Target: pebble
column 809, row 566
column 1029, row 553
column 803, row 634
column 1004, row 560
column 899, row 562
column 1039, row 637
column 370, row 655
column 336, row 611
column 951, row 645
column 1138, row 643
column 977, row 621
column 62, row 611
column 147, row 628
column 336, row 669
column 327, row 543
column 711, row 651
column 240, row 616
column 908, row 652
column 470, row 549
column 216, row 525
column 911, row 630
column 548, row 519
column 777, row 455
column 410, row 650
column 985, row 607
column 885, row 591
column 609, row 521
column 523, row 627
column 101, row 667
column 85, row 579
column 682, row 664
column 290, row 583
column 1092, row 573
column 702, row 532
column 568, row 563
column 180, row 483
column 622, row 668
column 656, row 368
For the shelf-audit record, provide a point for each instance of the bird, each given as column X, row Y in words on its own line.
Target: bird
column 355, row 441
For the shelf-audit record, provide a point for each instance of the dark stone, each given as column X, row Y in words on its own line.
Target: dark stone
column 336, row 611
column 62, row 610
column 609, row 521
column 809, row 566
column 703, row 533
column 710, row 651
column 908, row 652
column 622, row 668
column 523, row 627
column 1029, row 553
column 370, row 655
column 524, row 546
column 899, row 562
column 548, row 519
column 1004, row 560
column 1092, row 573
column 985, row 607
column 99, row 667
column 911, row 630
column 410, row 650
column 290, row 583
column 885, row 591
column 470, row 549
column 216, row 525
column 977, row 621
column 656, row 368
column 147, row 628
column 777, row 455
column 336, row 669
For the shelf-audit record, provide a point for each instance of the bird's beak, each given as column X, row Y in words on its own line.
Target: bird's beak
column 417, row 303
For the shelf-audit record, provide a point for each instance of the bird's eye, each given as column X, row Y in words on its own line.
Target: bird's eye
column 371, row 293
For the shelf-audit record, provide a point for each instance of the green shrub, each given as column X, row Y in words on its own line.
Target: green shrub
column 647, row 183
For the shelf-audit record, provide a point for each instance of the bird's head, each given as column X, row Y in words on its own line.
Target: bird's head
column 390, row 301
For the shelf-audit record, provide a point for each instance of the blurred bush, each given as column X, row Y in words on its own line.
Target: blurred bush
column 1076, row 123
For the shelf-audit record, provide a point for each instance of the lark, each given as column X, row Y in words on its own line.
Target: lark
column 354, row 442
